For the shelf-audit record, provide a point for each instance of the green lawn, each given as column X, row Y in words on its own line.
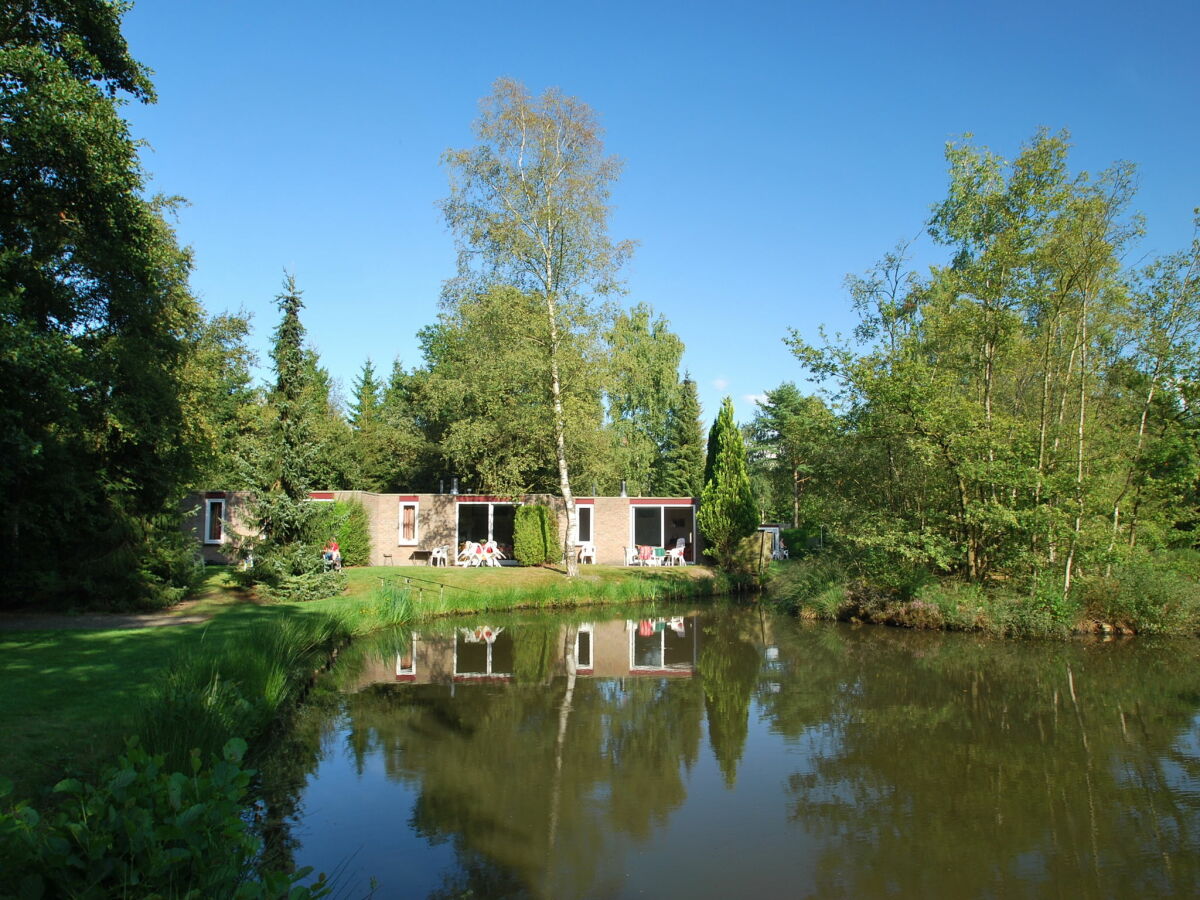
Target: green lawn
column 69, row 696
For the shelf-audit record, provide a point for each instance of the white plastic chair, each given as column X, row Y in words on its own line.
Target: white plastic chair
column 469, row 555
column 631, row 557
column 490, row 554
column 587, row 552
column 439, row 556
column 675, row 556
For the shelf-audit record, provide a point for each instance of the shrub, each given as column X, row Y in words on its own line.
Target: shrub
column 795, row 539
column 814, row 586
column 535, row 535
column 346, row 522
column 750, row 556
column 1146, row 595
column 961, row 605
column 144, row 832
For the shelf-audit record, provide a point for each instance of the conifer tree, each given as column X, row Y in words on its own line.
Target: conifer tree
column 728, row 511
column 683, row 459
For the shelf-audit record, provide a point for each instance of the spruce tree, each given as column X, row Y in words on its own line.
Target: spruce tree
column 683, row 459
column 728, row 511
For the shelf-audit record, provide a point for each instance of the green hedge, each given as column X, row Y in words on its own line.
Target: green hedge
column 346, row 521
column 535, row 535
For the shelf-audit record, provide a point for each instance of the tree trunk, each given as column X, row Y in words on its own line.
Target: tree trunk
column 560, row 444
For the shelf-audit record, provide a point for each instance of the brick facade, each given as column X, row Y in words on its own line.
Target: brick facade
column 437, row 522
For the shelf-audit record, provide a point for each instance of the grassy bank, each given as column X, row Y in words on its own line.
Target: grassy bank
column 1154, row 595
column 71, row 695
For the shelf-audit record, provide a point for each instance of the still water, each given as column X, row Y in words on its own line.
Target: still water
column 727, row 752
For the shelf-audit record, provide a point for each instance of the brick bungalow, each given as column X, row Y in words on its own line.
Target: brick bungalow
column 406, row 527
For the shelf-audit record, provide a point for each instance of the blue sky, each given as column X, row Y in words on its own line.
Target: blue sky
column 769, row 148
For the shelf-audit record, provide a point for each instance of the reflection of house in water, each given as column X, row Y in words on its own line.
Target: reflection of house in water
column 611, row 649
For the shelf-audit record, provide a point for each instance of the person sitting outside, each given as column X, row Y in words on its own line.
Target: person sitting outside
column 332, row 554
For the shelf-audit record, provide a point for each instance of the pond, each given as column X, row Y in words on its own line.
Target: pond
column 729, row 752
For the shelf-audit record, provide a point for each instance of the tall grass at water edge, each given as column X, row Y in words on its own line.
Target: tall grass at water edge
column 429, row 598
column 1151, row 594
column 243, row 683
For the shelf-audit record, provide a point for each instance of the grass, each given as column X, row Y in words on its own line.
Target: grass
column 70, row 697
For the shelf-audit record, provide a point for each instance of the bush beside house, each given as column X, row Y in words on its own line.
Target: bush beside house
column 535, row 535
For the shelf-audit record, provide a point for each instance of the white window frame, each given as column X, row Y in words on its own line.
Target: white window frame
column 485, row 674
column 590, row 630
column 591, row 511
column 490, row 504
column 416, row 539
column 401, row 670
column 209, row 503
column 662, row 517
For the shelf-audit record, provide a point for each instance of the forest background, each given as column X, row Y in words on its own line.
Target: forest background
column 1019, row 409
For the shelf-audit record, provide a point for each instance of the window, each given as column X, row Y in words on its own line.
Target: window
column 481, row 521
column 214, row 521
column 663, row 525
column 583, row 647
column 662, row 644
column 483, row 651
column 585, row 524
column 410, row 532
column 406, row 659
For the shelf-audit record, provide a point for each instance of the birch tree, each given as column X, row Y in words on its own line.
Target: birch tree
column 528, row 207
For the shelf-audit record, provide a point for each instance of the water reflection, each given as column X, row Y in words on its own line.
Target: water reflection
column 730, row 752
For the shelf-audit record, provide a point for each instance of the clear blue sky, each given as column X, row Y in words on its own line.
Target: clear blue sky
column 769, row 148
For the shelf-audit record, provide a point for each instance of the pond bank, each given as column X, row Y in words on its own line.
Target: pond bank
column 77, row 685
column 1154, row 597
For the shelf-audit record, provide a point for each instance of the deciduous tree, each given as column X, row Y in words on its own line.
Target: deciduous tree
column 529, row 208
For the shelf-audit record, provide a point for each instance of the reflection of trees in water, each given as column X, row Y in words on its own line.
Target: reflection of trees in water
column 729, row 665
column 967, row 768
column 486, row 763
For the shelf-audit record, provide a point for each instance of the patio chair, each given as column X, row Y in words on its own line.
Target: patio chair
column 469, row 555
column 490, row 554
column 631, row 556
column 675, row 556
column 439, row 556
column 587, row 552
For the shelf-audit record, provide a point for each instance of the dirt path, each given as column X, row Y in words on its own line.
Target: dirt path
column 101, row 621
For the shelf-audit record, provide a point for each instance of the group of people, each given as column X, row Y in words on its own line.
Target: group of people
column 332, row 554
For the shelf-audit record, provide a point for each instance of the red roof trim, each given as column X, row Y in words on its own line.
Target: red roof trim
column 409, row 498
column 214, row 495
column 320, row 495
column 587, row 501
column 480, row 498
column 661, row 501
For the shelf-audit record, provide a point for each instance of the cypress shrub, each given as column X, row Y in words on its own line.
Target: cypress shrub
column 535, row 535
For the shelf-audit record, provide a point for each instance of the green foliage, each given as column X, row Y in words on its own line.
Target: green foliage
column 145, row 831
column 751, row 555
column 485, row 395
column 1021, row 411
column 535, row 535
column 212, row 694
column 727, row 511
column 98, row 318
column 347, row 522
column 795, row 539
column 789, row 439
column 643, row 391
column 683, row 454
column 1146, row 595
